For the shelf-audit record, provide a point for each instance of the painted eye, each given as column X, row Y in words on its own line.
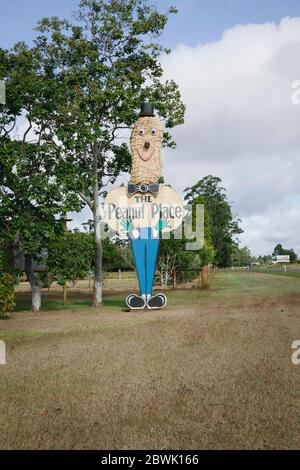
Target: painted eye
column 141, row 132
column 153, row 132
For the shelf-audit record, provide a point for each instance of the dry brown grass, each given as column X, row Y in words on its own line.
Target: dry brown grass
column 213, row 370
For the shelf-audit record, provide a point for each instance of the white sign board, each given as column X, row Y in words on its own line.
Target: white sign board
column 144, row 210
column 283, row 258
column 2, row 353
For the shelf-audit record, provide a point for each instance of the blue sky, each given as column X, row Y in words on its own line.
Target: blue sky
column 198, row 21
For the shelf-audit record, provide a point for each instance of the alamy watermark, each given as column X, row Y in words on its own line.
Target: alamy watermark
column 2, row 353
column 2, row 92
column 296, row 353
column 128, row 219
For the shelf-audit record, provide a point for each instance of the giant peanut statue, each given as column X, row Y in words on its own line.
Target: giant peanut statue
column 145, row 208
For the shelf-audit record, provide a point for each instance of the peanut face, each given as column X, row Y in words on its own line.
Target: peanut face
column 145, row 144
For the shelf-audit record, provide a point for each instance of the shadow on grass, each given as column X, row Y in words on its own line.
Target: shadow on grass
column 53, row 301
column 114, row 302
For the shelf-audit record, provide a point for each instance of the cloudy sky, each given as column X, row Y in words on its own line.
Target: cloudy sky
column 235, row 62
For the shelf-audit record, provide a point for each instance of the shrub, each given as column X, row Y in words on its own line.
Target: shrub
column 207, row 277
column 7, row 294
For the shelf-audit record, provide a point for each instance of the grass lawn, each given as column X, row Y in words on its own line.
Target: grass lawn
column 288, row 273
column 212, row 370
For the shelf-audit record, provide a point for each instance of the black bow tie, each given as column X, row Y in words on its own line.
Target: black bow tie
column 142, row 188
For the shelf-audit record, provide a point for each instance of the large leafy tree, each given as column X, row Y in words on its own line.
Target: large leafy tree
column 240, row 256
column 265, row 259
column 70, row 256
column 113, row 259
column 31, row 195
column 279, row 250
column 30, row 202
column 223, row 225
column 174, row 255
column 207, row 252
column 93, row 73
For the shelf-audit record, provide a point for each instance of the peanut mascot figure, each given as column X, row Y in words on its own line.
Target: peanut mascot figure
column 151, row 208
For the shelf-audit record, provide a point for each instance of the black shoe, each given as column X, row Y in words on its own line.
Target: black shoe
column 135, row 302
column 157, row 301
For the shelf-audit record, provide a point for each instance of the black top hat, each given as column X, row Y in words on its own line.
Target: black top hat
column 147, row 109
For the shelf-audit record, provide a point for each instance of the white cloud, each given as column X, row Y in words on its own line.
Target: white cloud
column 242, row 126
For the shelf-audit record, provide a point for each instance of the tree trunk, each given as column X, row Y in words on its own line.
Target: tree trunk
column 94, row 205
column 36, row 293
column 161, row 275
column 97, row 292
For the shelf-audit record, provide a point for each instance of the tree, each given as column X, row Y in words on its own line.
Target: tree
column 70, row 256
column 95, row 71
column 174, row 257
column 222, row 222
column 31, row 195
column 207, row 252
column 265, row 259
column 7, row 294
column 113, row 256
column 127, row 255
column 245, row 256
column 240, row 256
column 2, row 255
column 279, row 250
column 30, row 200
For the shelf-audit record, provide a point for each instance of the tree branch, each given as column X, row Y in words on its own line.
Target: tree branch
column 30, row 127
column 86, row 199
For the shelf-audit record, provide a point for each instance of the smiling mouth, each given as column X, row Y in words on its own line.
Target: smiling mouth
column 145, row 157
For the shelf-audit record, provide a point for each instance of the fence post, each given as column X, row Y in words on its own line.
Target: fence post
column 201, row 279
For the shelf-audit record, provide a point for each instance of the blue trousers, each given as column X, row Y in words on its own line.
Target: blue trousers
column 145, row 251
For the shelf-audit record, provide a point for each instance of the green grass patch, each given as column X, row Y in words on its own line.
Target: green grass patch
column 295, row 274
column 13, row 337
column 226, row 284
